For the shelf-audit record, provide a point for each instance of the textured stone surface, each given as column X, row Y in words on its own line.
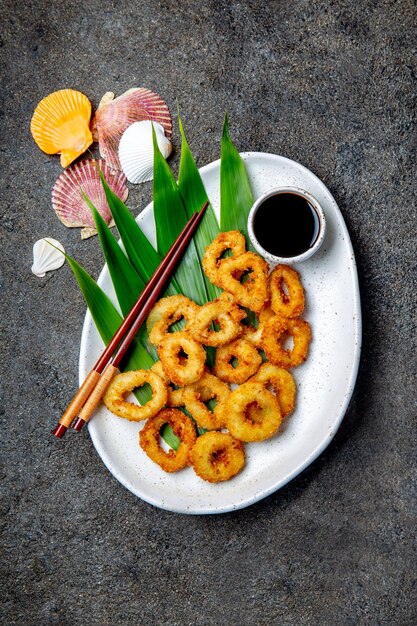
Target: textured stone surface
column 328, row 84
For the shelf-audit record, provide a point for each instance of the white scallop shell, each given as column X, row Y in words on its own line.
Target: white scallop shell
column 46, row 257
column 136, row 150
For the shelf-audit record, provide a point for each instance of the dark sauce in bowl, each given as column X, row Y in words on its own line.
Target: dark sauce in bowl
column 286, row 225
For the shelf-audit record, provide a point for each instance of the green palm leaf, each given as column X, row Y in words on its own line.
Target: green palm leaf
column 194, row 196
column 127, row 283
column 236, row 197
column 108, row 321
column 170, row 218
column 139, row 250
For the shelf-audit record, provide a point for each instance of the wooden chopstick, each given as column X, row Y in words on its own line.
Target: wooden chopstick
column 91, row 391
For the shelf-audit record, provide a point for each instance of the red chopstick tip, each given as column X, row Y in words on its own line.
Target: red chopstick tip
column 59, row 431
column 79, row 424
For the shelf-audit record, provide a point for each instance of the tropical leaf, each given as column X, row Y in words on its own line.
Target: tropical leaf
column 194, row 196
column 236, row 197
column 139, row 250
column 170, row 218
column 127, row 283
column 108, row 320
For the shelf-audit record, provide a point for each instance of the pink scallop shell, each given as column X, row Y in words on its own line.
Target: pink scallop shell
column 68, row 201
column 114, row 116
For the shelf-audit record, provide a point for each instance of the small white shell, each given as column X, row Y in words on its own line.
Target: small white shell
column 46, row 257
column 136, row 150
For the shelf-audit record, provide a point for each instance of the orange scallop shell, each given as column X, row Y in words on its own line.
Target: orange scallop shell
column 114, row 116
column 60, row 124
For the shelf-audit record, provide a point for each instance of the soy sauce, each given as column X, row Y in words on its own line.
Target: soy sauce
column 286, row 225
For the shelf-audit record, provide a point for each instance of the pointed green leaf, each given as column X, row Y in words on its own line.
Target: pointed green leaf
column 194, row 196
column 139, row 250
column 235, row 192
column 127, row 283
column 108, row 321
column 170, row 219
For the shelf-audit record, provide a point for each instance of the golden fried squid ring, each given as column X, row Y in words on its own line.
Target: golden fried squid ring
column 282, row 383
column 254, row 335
column 248, row 361
column 182, row 370
column 252, row 412
column 225, row 315
column 114, row 398
column 149, row 439
column 158, row 369
column 196, row 395
column 254, row 292
column 217, row 456
column 233, row 240
column 287, row 293
column 276, row 330
column 166, row 312
column 176, row 397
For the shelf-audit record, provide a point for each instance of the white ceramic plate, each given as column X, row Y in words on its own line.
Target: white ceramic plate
column 325, row 382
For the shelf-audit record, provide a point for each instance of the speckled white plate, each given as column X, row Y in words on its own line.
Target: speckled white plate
column 325, row 382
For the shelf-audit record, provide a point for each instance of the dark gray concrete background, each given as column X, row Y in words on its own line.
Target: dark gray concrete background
column 330, row 84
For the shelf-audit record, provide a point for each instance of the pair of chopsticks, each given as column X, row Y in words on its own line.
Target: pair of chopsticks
column 92, row 390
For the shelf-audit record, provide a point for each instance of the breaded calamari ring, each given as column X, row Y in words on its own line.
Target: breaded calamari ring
column 282, row 383
column 248, row 361
column 253, row 293
column 158, row 369
column 165, row 313
column 225, row 315
column 114, row 398
column 287, row 293
column 176, row 397
column 217, row 456
column 254, row 335
column 276, row 330
column 232, row 240
column 149, row 439
column 252, row 412
column 182, row 370
column 195, row 396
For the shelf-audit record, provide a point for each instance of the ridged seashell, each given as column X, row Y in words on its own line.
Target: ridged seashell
column 47, row 258
column 68, row 200
column 136, row 150
column 60, row 124
column 114, row 116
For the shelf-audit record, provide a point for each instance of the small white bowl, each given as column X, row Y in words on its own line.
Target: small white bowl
column 271, row 258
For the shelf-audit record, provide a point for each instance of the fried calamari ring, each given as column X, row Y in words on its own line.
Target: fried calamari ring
column 287, row 293
column 282, row 383
column 114, row 398
column 176, row 397
column 225, row 315
column 196, row 395
column 233, row 240
column 248, row 361
column 253, row 293
column 276, row 330
column 254, row 335
column 149, row 439
column 165, row 313
column 182, row 370
column 217, row 456
column 252, row 412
